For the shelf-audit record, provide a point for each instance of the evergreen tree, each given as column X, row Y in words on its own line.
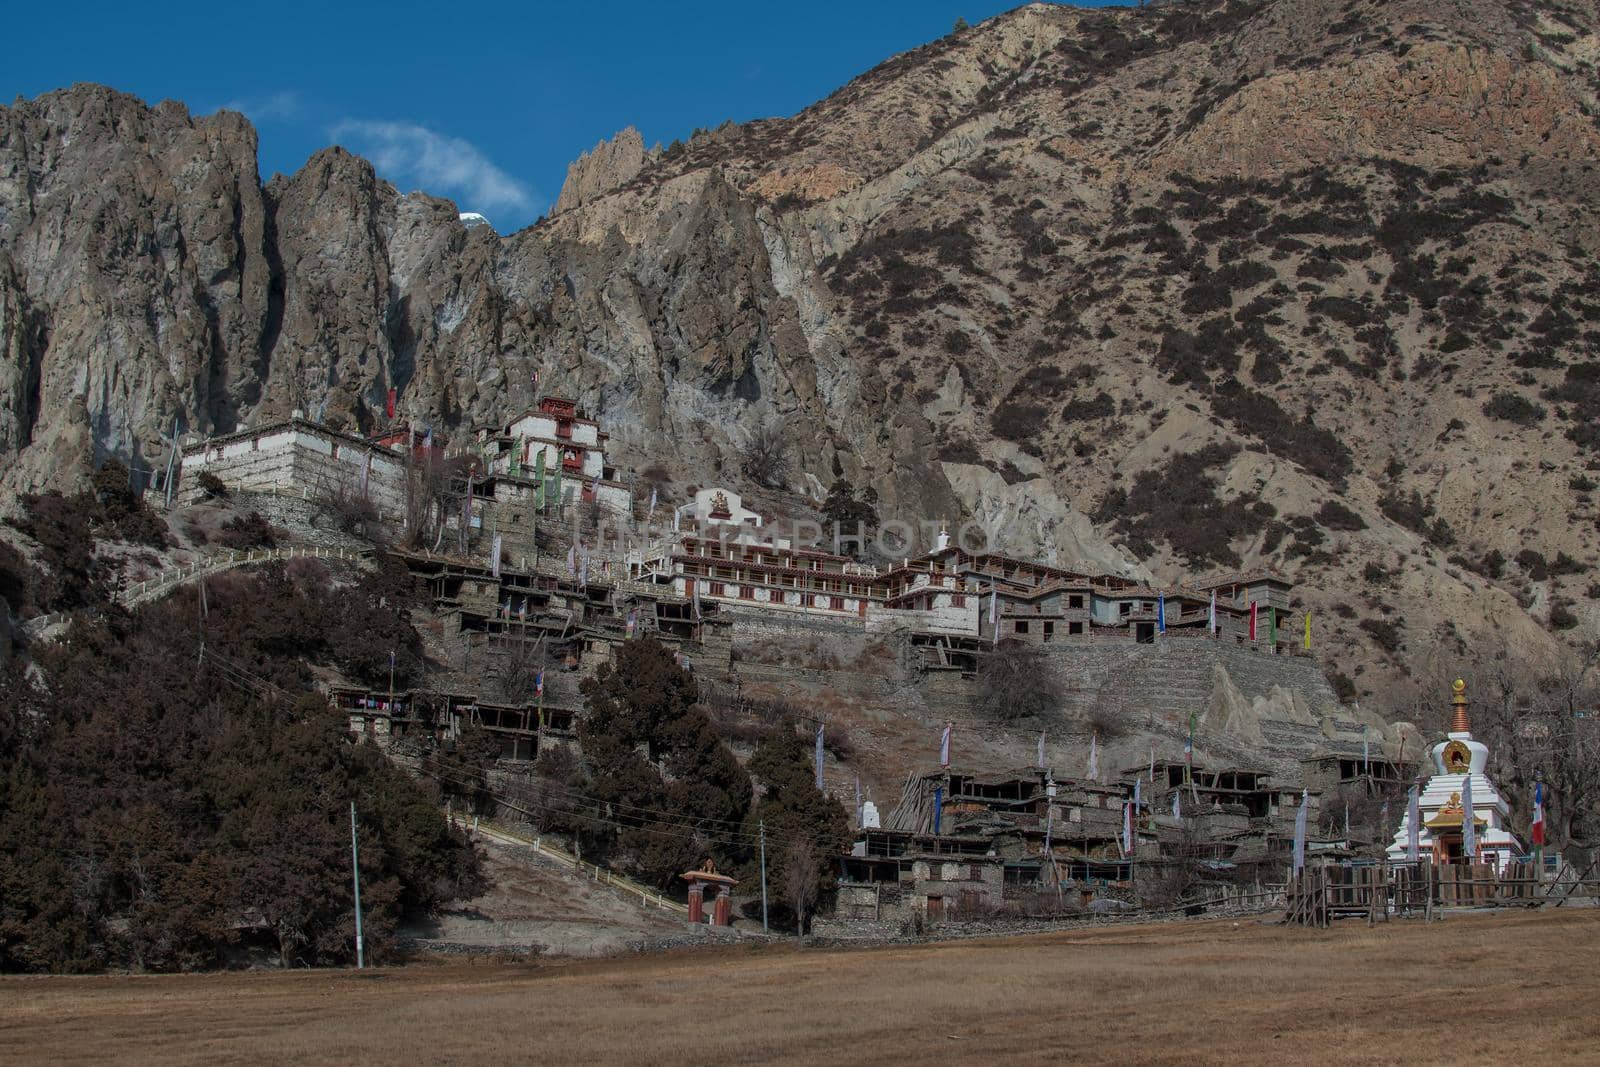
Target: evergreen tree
column 669, row 790
column 794, row 809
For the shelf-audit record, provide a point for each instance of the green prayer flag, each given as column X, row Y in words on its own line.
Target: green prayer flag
column 538, row 479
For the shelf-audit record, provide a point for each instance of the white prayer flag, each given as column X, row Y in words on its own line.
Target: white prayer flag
column 819, row 756
column 1041, row 752
column 1094, row 757
column 1413, row 825
column 1469, row 830
column 1300, row 832
column 944, row 746
column 494, row 556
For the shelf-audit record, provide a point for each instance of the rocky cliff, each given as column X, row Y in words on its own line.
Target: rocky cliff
column 1199, row 285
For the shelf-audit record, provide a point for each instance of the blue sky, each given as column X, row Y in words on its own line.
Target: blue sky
column 483, row 103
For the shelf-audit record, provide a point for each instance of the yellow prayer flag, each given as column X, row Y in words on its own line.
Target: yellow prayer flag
column 1308, row 631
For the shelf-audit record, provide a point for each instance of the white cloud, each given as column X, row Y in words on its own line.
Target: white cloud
column 274, row 107
column 408, row 154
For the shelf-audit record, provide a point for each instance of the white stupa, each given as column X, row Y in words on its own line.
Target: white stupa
column 1455, row 760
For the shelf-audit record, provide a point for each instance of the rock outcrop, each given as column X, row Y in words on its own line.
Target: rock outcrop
column 607, row 167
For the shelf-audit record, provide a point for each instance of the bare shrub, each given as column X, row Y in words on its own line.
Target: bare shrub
column 766, row 452
column 802, row 867
column 1014, row 682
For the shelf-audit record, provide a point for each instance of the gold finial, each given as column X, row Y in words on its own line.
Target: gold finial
column 1458, row 719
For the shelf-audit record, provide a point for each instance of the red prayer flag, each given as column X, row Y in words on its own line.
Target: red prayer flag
column 388, row 406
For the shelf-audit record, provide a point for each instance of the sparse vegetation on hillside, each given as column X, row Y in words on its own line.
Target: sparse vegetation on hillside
column 1179, row 505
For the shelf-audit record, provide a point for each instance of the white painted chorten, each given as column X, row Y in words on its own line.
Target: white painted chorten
column 1457, row 759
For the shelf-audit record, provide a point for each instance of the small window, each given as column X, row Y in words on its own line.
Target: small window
column 1074, row 627
column 836, row 603
column 716, row 588
column 1049, row 630
column 958, row 601
column 1124, row 608
column 1021, row 626
column 1074, row 601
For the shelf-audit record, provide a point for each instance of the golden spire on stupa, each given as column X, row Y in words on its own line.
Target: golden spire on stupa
column 1458, row 717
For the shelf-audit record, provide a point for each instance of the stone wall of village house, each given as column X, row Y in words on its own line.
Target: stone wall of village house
column 967, row 886
column 299, row 461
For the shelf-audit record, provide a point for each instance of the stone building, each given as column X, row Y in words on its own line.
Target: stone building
column 556, row 440
column 301, row 458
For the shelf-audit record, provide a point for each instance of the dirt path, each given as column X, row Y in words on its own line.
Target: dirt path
column 1508, row 987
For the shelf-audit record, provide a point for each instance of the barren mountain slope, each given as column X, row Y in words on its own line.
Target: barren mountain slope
column 1202, row 285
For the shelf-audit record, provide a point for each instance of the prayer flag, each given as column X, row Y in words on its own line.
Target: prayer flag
column 944, row 746
column 1272, row 626
column 994, row 613
column 651, row 514
column 1536, row 832
column 538, row 683
column 1094, row 757
column 1177, row 810
column 538, row 479
column 1252, row 620
column 1212, row 621
column 1308, row 631
column 633, row 620
column 1413, row 825
column 938, row 807
column 388, row 404
column 859, row 813
column 819, row 757
column 1127, row 828
column 1469, row 829
column 494, row 557
column 366, row 472
column 1300, row 832
column 1138, row 796
column 1041, row 751
column 1161, row 613
column 1152, row 764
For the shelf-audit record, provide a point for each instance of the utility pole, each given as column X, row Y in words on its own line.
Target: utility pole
column 355, row 874
column 763, row 827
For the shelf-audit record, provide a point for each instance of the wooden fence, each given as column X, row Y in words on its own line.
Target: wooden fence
column 1316, row 897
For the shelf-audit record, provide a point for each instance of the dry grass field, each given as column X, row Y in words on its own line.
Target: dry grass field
column 1507, row 988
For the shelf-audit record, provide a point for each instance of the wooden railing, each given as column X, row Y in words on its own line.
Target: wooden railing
column 166, row 581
